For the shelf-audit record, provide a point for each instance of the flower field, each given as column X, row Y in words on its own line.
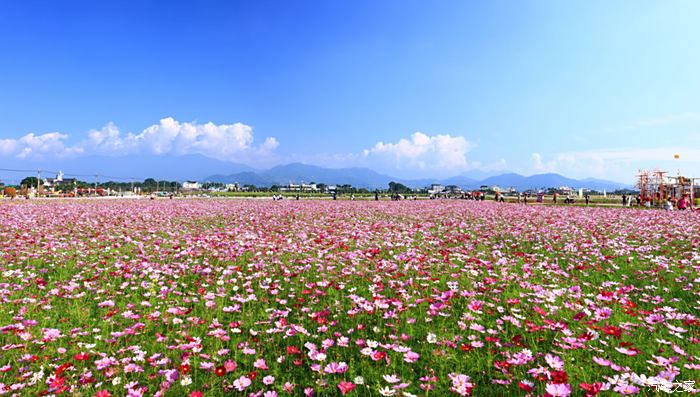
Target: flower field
column 413, row 298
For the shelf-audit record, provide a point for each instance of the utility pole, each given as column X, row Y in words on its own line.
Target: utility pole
column 38, row 179
column 96, row 176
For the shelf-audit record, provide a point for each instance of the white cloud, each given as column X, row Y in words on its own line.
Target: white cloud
column 32, row 145
column 619, row 164
column 677, row 118
column 229, row 142
column 423, row 152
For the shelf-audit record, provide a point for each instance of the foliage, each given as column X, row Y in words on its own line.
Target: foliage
column 10, row 192
column 433, row 297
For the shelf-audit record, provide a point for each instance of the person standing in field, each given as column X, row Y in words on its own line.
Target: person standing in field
column 668, row 205
column 554, row 197
column 683, row 203
column 624, row 200
column 587, row 198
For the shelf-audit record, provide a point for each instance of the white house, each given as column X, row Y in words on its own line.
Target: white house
column 436, row 188
column 191, row 185
column 233, row 187
column 565, row 189
column 453, row 189
column 300, row 187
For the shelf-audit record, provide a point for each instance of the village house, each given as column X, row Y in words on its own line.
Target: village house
column 436, row 188
column 191, row 185
column 300, row 187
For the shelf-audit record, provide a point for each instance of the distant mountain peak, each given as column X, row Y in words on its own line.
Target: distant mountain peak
column 368, row 178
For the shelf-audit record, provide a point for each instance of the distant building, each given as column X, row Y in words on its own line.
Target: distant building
column 436, row 188
column 565, row 189
column 59, row 180
column 300, row 187
column 452, row 189
column 191, row 185
column 233, row 187
column 62, row 182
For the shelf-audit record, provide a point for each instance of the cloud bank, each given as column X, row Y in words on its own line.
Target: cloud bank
column 228, row 142
column 619, row 164
column 422, row 152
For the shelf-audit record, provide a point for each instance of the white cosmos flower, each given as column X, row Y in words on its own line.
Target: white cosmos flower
column 392, row 378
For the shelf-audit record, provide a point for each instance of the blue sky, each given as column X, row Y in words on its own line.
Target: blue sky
column 410, row 88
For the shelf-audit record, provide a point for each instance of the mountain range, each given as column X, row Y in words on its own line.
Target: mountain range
column 367, row 178
column 201, row 168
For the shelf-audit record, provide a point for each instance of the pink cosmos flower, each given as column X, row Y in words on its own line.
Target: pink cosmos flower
column 242, row 383
column 268, row 380
column 601, row 361
column 411, row 357
column 346, row 387
column 558, row 389
column 260, row 364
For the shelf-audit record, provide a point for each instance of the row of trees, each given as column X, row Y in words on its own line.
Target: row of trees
column 148, row 185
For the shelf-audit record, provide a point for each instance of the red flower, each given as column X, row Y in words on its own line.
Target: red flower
column 57, row 382
column 559, row 377
column 104, row 393
column 61, row 368
column 502, row 365
column 525, row 386
column 612, row 330
column 220, row 370
column 346, row 387
column 81, row 357
column 184, row 368
column 591, row 389
column 293, row 350
column 196, row 394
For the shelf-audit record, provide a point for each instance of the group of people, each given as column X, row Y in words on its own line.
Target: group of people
column 682, row 204
column 669, row 203
column 569, row 199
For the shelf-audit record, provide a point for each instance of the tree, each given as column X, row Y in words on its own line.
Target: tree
column 29, row 181
column 10, row 192
column 395, row 187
